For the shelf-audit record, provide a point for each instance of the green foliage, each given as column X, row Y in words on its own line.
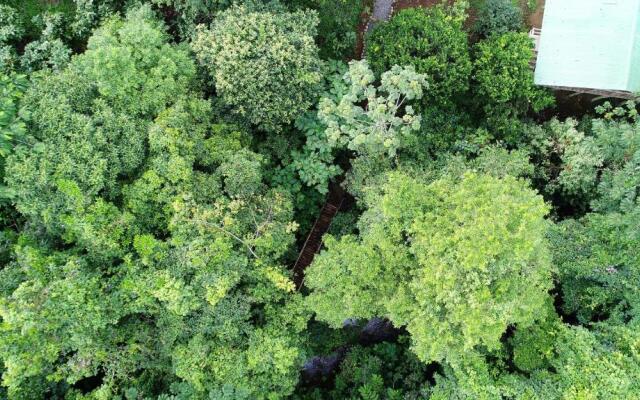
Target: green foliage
column 502, row 73
column 580, row 364
column 600, row 364
column 628, row 110
column 49, row 51
column 192, row 12
column 88, row 14
column 378, row 129
column 97, row 110
column 152, row 261
column 146, row 230
column 338, row 26
column 504, row 81
column 383, row 371
column 430, row 40
column 11, row 28
column 12, row 126
column 30, row 11
column 443, row 129
column 429, row 259
column 593, row 166
column 566, row 161
column 562, row 362
column 263, row 61
column 497, row 17
column 598, row 266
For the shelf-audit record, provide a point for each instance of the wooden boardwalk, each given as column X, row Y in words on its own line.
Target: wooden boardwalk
column 382, row 11
column 312, row 245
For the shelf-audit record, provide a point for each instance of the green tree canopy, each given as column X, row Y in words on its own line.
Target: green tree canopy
column 497, row 17
column 431, row 41
column 456, row 261
column 503, row 80
column 152, row 255
column 263, row 61
column 356, row 115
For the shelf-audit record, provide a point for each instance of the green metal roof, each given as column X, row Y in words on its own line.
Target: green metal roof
column 591, row 44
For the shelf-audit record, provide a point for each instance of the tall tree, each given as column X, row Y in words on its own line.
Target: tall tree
column 152, row 258
column 263, row 61
column 456, row 261
column 430, row 40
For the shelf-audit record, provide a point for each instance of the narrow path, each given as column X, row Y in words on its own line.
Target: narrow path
column 313, row 243
column 382, row 10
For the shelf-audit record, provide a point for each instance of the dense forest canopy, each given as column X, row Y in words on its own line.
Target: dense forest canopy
column 163, row 163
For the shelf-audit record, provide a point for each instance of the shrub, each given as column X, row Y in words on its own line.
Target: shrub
column 496, row 17
column 430, row 40
column 10, row 24
column 263, row 61
column 503, row 82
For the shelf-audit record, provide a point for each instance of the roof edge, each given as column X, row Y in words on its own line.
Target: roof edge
column 635, row 47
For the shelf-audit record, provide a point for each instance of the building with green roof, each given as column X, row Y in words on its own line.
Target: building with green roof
column 590, row 46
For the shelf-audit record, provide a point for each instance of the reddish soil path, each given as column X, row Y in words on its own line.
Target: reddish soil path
column 535, row 18
column 362, row 28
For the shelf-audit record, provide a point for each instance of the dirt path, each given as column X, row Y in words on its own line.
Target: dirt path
column 382, row 11
column 535, row 18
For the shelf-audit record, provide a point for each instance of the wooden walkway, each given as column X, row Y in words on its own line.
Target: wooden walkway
column 382, row 11
column 312, row 245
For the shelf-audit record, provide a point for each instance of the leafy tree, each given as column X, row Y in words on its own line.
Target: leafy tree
column 12, row 125
column 504, row 81
column 598, row 266
column 429, row 259
column 88, row 14
column 555, row 361
column 595, row 256
column 11, row 30
column 49, row 51
column 497, row 17
column 263, row 61
column 98, row 110
column 589, row 166
column 598, row 364
column 152, row 261
column 430, row 40
column 566, row 160
column 192, row 12
column 378, row 129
